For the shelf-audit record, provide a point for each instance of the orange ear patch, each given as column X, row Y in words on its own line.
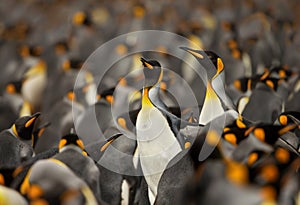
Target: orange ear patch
column 122, row 122
column 71, row 96
column 237, row 84
column 110, row 99
column 80, row 144
column 10, row 88
column 252, row 158
column 282, row 155
column 283, row 120
column 260, row 134
column 62, row 143
column 2, row 180
column 270, row 84
column 230, row 137
column 79, row 18
column 187, row 145
column 240, row 124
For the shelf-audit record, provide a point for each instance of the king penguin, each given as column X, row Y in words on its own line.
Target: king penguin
column 73, row 154
column 157, row 144
column 49, row 181
column 14, row 148
column 216, row 101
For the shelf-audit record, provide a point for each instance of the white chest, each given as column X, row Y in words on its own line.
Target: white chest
column 157, row 144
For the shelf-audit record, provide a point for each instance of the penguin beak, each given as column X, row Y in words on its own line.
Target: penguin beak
column 146, row 64
column 32, row 119
column 109, row 141
column 193, row 52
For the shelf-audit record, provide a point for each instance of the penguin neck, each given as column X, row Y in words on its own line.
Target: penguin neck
column 146, row 102
column 70, row 147
column 212, row 106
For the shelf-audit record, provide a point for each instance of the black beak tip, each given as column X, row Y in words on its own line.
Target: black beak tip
column 36, row 115
column 143, row 60
column 182, row 47
column 185, row 48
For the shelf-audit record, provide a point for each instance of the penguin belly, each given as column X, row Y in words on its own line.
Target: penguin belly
column 33, row 88
column 157, row 145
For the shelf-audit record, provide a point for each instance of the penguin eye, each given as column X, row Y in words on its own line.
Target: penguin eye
column 282, row 155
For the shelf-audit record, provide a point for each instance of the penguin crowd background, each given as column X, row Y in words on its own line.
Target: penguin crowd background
column 46, row 159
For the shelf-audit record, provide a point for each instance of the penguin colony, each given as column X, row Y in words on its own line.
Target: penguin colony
column 249, row 111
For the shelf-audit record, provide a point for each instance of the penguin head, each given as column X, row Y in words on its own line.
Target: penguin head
column 217, row 61
column 152, row 71
column 61, row 47
column 72, row 64
column 70, row 139
column 211, row 62
column 23, row 127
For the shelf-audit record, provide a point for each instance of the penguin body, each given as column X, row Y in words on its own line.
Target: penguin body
column 155, row 149
column 72, row 154
column 10, row 196
column 14, row 142
column 266, row 102
column 182, row 167
column 215, row 101
column 52, row 181
column 13, row 151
